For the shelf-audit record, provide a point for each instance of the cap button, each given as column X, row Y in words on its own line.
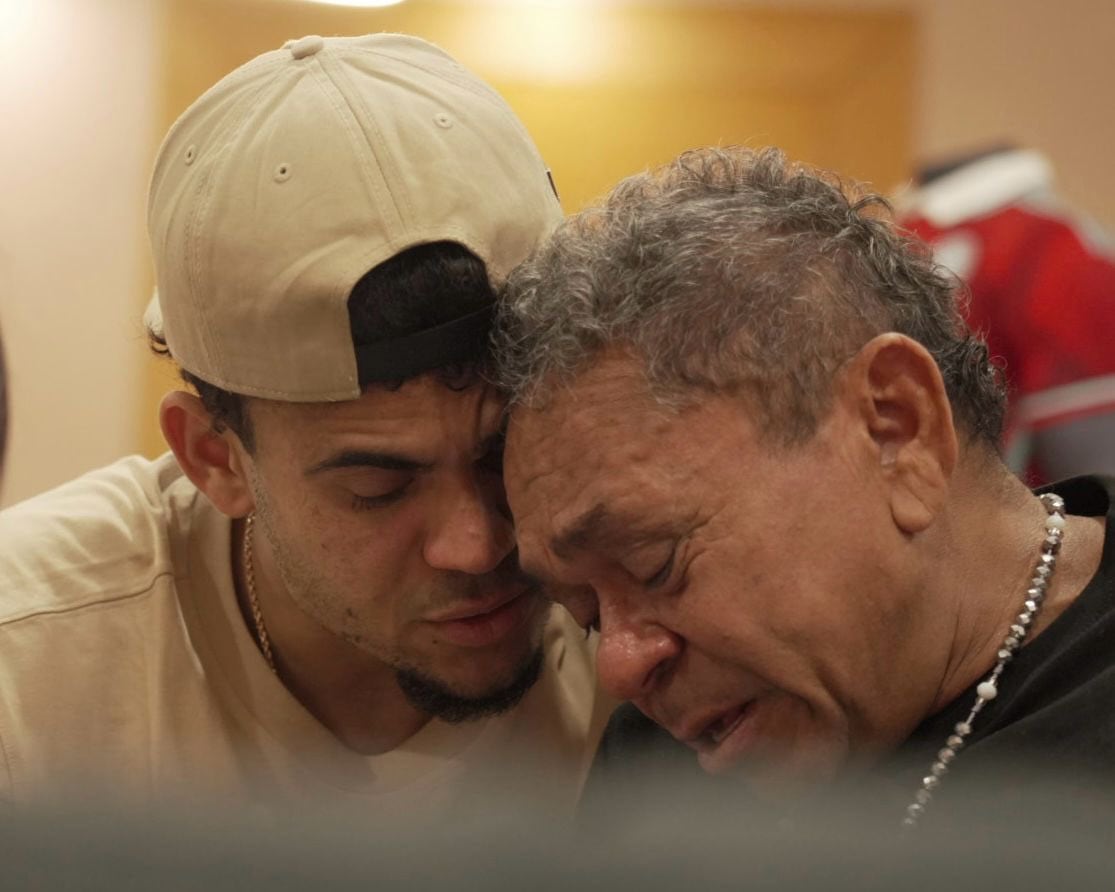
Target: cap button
column 306, row 46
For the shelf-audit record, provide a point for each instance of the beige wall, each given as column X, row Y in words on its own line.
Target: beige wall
column 77, row 102
column 1035, row 71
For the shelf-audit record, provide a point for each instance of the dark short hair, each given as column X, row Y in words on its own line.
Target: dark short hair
column 732, row 269
column 417, row 289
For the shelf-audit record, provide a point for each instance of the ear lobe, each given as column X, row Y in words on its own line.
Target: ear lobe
column 902, row 403
column 214, row 462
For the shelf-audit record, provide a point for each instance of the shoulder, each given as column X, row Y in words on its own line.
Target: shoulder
column 1057, row 695
column 559, row 722
column 93, row 643
column 569, row 652
column 567, row 692
column 101, row 537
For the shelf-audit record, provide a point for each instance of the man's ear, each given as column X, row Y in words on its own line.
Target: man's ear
column 215, row 462
column 896, row 393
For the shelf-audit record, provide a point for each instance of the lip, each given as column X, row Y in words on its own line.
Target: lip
column 482, row 624
column 721, row 738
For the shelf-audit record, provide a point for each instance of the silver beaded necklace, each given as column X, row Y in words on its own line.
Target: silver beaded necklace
column 988, row 689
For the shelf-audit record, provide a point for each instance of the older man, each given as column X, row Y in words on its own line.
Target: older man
column 754, row 442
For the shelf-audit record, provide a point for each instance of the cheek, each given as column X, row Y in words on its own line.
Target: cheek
column 355, row 551
column 756, row 619
column 714, row 612
column 376, row 551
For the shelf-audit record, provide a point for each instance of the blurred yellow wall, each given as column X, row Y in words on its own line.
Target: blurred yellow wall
column 77, row 85
column 607, row 90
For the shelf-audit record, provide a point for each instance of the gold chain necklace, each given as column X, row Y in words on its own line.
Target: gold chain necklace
column 253, row 599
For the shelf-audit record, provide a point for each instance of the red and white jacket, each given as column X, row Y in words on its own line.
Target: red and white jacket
column 1042, row 281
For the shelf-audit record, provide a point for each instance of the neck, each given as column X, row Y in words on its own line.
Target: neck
column 991, row 543
column 350, row 692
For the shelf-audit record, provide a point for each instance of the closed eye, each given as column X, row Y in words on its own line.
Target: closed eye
column 663, row 573
column 380, row 500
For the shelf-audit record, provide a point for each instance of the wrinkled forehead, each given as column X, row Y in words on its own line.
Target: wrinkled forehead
column 579, row 426
column 594, row 449
column 554, row 453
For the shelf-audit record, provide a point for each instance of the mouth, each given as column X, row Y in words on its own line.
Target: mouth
column 487, row 622
column 720, row 740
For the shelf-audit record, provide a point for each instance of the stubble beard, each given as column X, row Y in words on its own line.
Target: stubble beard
column 435, row 698
column 425, row 692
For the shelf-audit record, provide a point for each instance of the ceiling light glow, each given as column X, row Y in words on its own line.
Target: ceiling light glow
column 368, row 4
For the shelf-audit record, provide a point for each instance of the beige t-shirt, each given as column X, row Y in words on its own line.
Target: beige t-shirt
column 126, row 667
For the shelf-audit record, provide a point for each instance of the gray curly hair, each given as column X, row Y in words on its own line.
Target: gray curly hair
column 732, row 269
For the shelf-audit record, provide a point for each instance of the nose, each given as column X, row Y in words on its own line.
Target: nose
column 632, row 656
column 470, row 533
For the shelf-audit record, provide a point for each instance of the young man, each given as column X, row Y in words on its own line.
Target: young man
column 316, row 597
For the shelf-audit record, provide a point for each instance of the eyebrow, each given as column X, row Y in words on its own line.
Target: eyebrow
column 580, row 531
column 599, row 526
column 358, row 458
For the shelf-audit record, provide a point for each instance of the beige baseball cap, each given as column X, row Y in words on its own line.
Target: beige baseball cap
column 299, row 172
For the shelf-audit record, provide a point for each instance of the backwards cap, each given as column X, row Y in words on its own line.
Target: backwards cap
column 299, row 172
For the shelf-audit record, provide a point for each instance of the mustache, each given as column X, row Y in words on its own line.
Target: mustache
column 456, row 586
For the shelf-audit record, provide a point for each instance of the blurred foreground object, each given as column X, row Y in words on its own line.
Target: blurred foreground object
column 1062, row 846
column 1042, row 283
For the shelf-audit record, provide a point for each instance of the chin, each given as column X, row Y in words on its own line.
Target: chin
column 786, row 749
column 454, row 699
column 478, row 674
column 798, row 769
